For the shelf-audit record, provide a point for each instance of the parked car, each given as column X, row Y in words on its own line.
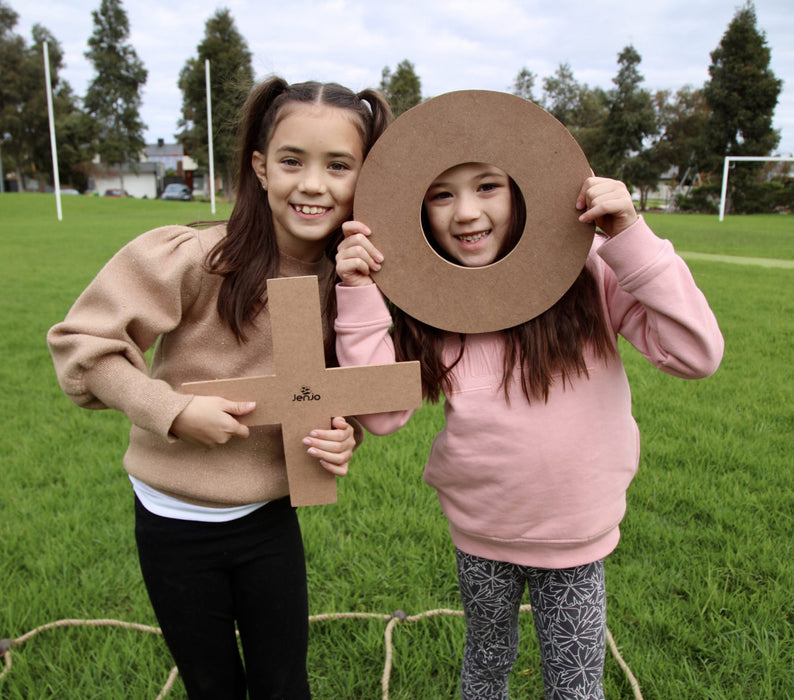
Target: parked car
column 177, row 191
column 116, row 192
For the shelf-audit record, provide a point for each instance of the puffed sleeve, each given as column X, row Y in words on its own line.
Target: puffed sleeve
column 99, row 349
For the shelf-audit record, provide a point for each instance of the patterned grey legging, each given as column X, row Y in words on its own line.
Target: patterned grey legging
column 569, row 608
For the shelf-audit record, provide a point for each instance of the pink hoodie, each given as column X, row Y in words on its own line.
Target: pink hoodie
column 544, row 484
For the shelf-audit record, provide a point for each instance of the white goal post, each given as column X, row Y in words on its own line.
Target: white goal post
column 726, row 167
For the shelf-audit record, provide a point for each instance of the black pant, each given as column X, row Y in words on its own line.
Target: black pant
column 204, row 577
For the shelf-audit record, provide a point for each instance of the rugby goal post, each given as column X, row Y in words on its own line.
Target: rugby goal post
column 726, row 168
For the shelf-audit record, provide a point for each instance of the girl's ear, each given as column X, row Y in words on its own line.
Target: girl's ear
column 258, row 164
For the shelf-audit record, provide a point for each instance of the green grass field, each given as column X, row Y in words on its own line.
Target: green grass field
column 699, row 589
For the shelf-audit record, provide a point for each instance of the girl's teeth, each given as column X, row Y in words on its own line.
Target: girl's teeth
column 474, row 237
column 303, row 209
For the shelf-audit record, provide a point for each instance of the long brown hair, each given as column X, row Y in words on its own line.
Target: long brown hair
column 248, row 255
column 550, row 344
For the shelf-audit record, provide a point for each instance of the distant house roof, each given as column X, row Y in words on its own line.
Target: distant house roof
column 139, row 168
column 164, row 150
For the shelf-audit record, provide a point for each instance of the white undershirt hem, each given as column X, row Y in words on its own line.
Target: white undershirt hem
column 169, row 507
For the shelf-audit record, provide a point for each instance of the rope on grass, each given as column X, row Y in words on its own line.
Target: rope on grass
column 399, row 617
column 6, row 645
column 635, row 686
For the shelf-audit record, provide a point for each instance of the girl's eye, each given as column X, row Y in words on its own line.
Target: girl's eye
column 339, row 167
column 488, row 187
column 290, row 162
column 440, row 195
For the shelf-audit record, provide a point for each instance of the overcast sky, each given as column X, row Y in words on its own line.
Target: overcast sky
column 453, row 44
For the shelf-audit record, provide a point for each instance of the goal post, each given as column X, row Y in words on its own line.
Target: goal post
column 726, row 168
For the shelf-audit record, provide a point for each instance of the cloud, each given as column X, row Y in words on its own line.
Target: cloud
column 453, row 44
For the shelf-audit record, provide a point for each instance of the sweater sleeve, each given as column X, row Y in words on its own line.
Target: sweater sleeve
column 99, row 349
column 652, row 301
column 362, row 338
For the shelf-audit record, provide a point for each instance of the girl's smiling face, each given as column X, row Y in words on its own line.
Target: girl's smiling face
column 469, row 208
column 310, row 171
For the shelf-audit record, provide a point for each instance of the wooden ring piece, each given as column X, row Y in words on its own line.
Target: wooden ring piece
column 475, row 126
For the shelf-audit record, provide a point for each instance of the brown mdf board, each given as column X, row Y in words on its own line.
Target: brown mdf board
column 304, row 394
column 476, row 126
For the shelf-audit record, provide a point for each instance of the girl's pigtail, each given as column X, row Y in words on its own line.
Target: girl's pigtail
column 253, row 126
column 382, row 114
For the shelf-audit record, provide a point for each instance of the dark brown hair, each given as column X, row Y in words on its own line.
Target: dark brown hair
column 551, row 344
column 248, row 255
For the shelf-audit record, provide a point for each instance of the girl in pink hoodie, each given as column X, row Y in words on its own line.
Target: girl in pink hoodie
column 540, row 444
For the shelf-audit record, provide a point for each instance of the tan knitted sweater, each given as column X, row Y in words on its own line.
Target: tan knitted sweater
column 156, row 289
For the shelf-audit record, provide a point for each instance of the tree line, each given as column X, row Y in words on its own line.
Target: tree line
column 106, row 121
column 628, row 131
column 636, row 135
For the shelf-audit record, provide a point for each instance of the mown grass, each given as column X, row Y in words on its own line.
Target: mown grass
column 761, row 236
column 699, row 589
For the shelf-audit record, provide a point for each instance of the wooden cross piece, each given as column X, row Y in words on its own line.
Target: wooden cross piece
column 303, row 394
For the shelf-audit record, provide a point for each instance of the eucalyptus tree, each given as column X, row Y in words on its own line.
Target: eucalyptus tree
column 631, row 117
column 12, row 91
column 231, row 79
column 402, row 88
column 114, row 96
column 524, row 84
column 24, row 119
column 581, row 108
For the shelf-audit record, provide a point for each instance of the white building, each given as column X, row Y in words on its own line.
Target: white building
column 143, row 182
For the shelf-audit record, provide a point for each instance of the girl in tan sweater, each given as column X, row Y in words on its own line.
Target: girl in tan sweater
column 218, row 542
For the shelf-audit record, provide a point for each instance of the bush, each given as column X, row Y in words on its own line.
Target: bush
column 786, row 197
column 757, row 198
column 700, row 200
column 750, row 198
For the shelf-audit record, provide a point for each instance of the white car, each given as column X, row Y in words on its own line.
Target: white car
column 177, row 191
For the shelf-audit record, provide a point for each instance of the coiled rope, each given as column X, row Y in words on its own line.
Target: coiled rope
column 397, row 618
